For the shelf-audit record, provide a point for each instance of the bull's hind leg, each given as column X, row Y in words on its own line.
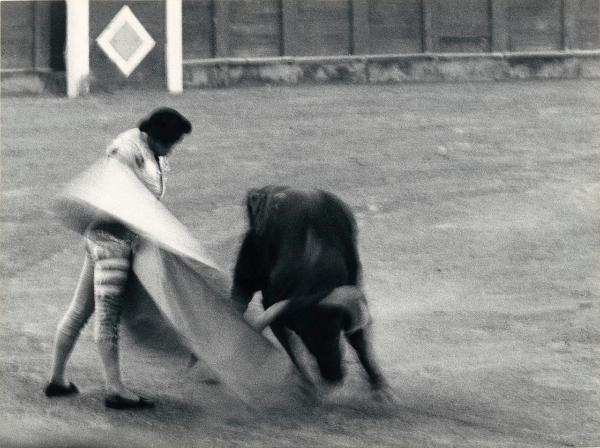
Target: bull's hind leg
column 361, row 343
column 356, row 326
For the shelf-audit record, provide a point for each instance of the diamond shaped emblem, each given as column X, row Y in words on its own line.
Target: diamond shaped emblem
column 125, row 41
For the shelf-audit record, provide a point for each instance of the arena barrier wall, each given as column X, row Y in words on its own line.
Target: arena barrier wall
column 78, row 46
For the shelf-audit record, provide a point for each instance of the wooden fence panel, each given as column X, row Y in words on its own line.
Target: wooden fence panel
column 460, row 25
column 57, row 31
column 534, row 25
column 17, row 35
column 198, row 29
column 254, row 28
column 395, row 26
column 587, row 22
column 33, row 35
column 499, row 26
column 323, row 27
column 289, row 27
column 360, row 26
column 42, row 35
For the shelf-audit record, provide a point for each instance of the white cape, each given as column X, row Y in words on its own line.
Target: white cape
column 190, row 291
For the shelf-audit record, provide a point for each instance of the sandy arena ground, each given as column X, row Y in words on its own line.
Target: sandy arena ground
column 479, row 209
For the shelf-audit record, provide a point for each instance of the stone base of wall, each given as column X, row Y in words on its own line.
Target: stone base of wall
column 376, row 69
column 17, row 82
column 379, row 69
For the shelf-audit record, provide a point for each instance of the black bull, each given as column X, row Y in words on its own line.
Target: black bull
column 300, row 249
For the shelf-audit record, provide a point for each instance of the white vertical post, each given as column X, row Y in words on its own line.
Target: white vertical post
column 77, row 54
column 174, row 46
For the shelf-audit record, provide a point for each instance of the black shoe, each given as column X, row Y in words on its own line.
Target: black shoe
column 115, row 401
column 57, row 390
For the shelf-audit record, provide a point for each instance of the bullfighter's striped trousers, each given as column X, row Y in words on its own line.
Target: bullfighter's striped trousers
column 101, row 286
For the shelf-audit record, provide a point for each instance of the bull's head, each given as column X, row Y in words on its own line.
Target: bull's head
column 260, row 204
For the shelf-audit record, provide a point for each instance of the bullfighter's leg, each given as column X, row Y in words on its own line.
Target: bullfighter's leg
column 69, row 328
column 111, row 270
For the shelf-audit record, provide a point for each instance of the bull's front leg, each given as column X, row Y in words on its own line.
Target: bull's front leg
column 283, row 335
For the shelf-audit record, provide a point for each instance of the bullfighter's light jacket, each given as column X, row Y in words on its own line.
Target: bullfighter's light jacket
column 131, row 148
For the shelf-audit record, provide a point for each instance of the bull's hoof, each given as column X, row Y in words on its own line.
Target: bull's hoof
column 384, row 395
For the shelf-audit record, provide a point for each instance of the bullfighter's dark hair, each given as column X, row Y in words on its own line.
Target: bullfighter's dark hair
column 165, row 125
